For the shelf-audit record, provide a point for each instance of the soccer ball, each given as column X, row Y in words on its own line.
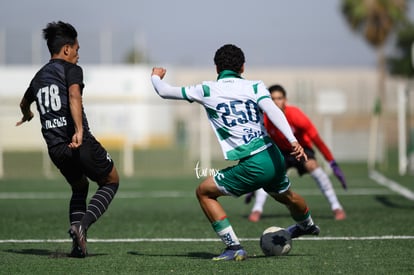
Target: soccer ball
column 275, row 241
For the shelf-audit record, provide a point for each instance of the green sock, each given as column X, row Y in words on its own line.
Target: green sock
column 304, row 221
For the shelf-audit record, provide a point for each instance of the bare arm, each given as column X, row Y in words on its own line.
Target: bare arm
column 25, row 109
column 75, row 103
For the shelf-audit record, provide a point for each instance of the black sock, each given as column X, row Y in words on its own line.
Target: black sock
column 77, row 206
column 99, row 204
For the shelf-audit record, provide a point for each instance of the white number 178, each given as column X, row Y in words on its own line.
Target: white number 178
column 49, row 99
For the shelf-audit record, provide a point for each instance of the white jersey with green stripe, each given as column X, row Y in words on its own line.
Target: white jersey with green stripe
column 234, row 108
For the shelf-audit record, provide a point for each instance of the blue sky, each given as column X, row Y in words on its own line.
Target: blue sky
column 187, row 32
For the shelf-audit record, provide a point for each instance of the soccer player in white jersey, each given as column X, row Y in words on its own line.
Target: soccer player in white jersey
column 235, row 107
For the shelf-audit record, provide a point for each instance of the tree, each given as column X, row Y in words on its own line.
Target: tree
column 135, row 56
column 401, row 63
column 375, row 20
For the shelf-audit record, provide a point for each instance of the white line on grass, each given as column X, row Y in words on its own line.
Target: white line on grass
column 170, row 194
column 382, row 180
column 66, row 195
column 137, row 240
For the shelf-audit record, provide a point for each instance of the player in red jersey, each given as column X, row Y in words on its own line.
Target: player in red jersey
column 307, row 135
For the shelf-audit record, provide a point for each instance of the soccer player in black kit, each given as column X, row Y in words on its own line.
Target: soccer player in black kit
column 57, row 90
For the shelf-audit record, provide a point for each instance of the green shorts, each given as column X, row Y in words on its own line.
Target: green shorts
column 265, row 169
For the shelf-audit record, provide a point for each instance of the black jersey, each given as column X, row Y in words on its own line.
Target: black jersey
column 50, row 89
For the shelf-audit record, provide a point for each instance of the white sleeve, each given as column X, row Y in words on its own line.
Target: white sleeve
column 277, row 117
column 165, row 90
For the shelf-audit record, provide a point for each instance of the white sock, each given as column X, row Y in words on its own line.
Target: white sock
column 306, row 223
column 326, row 187
column 225, row 232
column 228, row 236
column 260, row 199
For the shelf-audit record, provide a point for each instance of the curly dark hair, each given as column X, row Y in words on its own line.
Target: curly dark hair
column 59, row 34
column 229, row 57
column 277, row 88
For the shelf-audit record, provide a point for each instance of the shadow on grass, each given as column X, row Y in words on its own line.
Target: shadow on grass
column 208, row 256
column 194, row 255
column 269, row 216
column 386, row 201
column 276, row 217
column 46, row 252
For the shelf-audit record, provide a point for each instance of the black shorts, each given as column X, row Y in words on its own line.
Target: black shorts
column 90, row 160
column 292, row 162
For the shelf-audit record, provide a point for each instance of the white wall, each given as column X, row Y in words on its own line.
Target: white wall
column 122, row 106
column 119, row 102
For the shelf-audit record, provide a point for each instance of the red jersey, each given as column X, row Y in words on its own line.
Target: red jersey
column 303, row 129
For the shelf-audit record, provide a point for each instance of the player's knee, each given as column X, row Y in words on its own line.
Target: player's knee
column 311, row 165
column 114, row 177
column 207, row 191
column 80, row 185
column 111, row 178
column 202, row 192
column 199, row 192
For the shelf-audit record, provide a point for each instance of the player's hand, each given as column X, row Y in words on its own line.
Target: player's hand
column 159, row 71
column 76, row 140
column 338, row 173
column 26, row 117
column 298, row 152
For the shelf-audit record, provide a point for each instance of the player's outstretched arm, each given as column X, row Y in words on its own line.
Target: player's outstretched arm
column 277, row 117
column 159, row 71
column 25, row 109
column 162, row 88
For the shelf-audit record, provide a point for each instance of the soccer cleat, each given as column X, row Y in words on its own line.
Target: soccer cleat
column 230, row 254
column 78, row 235
column 255, row 216
column 76, row 251
column 339, row 214
column 295, row 231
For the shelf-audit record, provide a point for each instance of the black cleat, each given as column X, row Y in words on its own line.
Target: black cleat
column 78, row 235
column 76, row 251
column 295, row 231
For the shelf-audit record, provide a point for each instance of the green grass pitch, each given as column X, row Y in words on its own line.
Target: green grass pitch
column 155, row 226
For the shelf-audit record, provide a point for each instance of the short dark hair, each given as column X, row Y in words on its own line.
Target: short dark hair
column 59, row 34
column 277, row 88
column 229, row 57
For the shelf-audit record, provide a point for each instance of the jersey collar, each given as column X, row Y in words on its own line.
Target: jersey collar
column 228, row 74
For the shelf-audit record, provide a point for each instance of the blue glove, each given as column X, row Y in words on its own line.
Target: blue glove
column 338, row 173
